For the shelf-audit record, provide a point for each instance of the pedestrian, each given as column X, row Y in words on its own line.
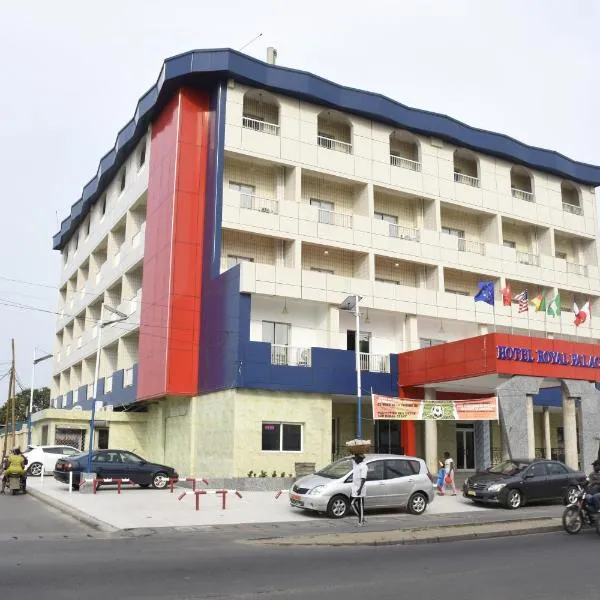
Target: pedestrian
column 359, row 492
column 440, row 478
column 449, row 469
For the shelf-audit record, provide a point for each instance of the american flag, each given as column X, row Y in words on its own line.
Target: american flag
column 523, row 299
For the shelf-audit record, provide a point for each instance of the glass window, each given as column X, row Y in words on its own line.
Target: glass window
column 556, row 469
column 70, row 451
column 271, row 434
column 388, row 218
column 291, row 438
column 322, row 204
column 338, row 469
column 561, row 255
column 142, row 158
column 509, row 467
column 375, row 471
column 55, row 450
column 282, row 437
column 455, row 232
column 537, row 470
column 276, row 333
column 130, row 458
column 246, row 193
column 400, row 468
column 510, row 244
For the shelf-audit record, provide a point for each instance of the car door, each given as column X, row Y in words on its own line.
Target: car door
column 375, row 485
column 558, row 479
column 136, row 468
column 107, row 464
column 399, row 481
column 535, row 482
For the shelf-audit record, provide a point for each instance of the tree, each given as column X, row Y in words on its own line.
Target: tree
column 41, row 400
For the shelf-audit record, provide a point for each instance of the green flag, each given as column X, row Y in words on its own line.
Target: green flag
column 554, row 306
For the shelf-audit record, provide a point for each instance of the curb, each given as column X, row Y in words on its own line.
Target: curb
column 75, row 513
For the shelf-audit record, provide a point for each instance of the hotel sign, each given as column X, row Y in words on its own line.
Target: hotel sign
column 547, row 357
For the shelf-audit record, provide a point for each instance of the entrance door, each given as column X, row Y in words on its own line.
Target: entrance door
column 465, row 447
column 387, row 437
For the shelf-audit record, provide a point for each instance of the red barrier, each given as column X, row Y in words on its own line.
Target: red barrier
column 194, row 480
column 118, row 480
column 198, row 493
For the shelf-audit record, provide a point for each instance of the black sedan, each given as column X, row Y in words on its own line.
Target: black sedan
column 114, row 464
column 518, row 481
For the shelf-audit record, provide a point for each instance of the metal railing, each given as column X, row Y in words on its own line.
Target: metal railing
column 108, row 384
column 574, row 209
column 527, row 258
column 375, row 363
column 258, row 125
column 337, row 145
column 265, row 205
column 128, row 377
column 470, row 246
column 522, row 195
column 576, row 269
column 404, row 163
column 290, row 356
column 328, row 217
column 404, row 233
column 466, row 179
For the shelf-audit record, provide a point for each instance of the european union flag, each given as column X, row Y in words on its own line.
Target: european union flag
column 485, row 293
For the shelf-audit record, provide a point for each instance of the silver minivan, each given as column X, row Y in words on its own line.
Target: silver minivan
column 393, row 481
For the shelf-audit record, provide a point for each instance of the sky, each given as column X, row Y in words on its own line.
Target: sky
column 71, row 73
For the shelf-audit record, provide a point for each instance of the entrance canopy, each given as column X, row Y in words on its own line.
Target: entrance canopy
column 480, row 364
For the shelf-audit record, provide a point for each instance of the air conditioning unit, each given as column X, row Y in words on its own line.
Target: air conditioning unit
column 77, row 407
column 265, row 210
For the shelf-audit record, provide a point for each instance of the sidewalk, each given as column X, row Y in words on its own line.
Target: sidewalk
column 143, row 508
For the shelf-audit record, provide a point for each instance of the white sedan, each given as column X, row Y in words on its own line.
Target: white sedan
column 45, row 457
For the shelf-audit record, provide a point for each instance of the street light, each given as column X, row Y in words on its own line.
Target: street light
column 351, row 305
column 101, row 325
column 35, row 362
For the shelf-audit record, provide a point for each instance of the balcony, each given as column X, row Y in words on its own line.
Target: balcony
column 328, row 217
column 466, row 179
column 527, row 258
column 404, row 163
column 522, row 195
column 331, row 144
column 572, row 209
column 260, row 126
column 471, row 246
column 576, row 269
column 264, row 205
column 375, row 363
column 404, row 233
column 290, row 356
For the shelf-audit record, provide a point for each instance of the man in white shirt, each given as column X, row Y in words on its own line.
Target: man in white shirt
column 359, row 492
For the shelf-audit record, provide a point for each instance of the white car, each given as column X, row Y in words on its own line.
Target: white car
column 45, row 457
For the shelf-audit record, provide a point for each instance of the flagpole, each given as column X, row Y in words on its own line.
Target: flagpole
column 494, row 316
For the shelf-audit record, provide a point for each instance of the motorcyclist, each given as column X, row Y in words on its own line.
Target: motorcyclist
column 15, row 465
column 593, row 488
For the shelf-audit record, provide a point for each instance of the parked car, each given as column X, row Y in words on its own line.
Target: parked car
column 393, row 481
column 516, row 482
column 115, row 464
column 45, row 457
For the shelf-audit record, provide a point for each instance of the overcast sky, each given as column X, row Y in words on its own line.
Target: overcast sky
column 71, row 73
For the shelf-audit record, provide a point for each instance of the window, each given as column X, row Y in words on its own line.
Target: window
column 233, row 260
column 459, row 233
column 556, row 469
column 102, row 439
column 276, row 333
column 54, row 450
column 281, row 437
column 364, row 343
column 319, row 270
column 131, row 459
column 509, row 244
column 561, row 255
column 428, row 342
column 103, row 206
column 375, row 471
column 123, row 179
column 246, row 193
column 401, row 468
column 70, row 451
column 388, row 218
column 326, row 214
column 537, row 470
column 142, row 156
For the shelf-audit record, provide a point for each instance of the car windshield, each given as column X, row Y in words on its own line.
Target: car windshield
column 337, row 469
column 509, row 467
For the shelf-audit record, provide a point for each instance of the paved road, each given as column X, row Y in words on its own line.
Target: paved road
column 212, row 565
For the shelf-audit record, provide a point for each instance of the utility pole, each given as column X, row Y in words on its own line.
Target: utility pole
column 10, row 387
column 14, row 400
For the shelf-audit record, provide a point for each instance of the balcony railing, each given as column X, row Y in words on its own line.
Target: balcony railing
column 258, row 125
column 108, row 384
column 522, row 195
column 337, row 145
column 466, row 179
column 574, row 209
column 404, row 233
column 471, row 246
column 376, row 363
column 265, row 205
column 527, row 258
column 576, row 269
column 404, row 163
column 328, row 217
column 128, row 377
column 290, row 356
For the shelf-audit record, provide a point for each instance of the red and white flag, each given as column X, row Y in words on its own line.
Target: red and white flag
column 581, row 314
column 506, row 295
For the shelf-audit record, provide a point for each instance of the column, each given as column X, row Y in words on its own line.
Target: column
column 334, row 326
column 589, row 423
column 570, row 429
column 431, row 437
column 547, row 438
column 530, row 427
column 411, row 333
column 483, row 445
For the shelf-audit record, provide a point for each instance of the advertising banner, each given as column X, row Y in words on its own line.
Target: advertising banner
column 405, row 409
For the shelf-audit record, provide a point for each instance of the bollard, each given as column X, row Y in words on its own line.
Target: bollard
column 42, row 477
column 198, row 494
column 224, row 498
column 70, row 481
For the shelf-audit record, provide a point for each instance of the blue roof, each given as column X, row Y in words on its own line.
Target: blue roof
column 204, row 68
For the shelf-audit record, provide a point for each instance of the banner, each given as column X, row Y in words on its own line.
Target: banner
column 405, row 409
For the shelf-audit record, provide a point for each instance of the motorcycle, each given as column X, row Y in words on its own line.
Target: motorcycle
column 580, row 513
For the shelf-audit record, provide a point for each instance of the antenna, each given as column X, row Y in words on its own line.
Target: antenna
column 250, row 42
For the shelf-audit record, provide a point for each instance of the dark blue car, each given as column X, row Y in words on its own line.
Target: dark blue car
column 115, row 464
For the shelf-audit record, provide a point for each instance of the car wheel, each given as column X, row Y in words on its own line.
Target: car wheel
column 514, row 499
column 417, row 503
column 35, row 470
column 338, row 507
column 160, row 481
column 572, row 520
column 570, row 495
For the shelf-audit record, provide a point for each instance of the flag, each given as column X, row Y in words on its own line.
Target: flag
column 581, row 315
column 523, row 299
column 539, row 302
column 485, row 293
column 554, row 306
column 506, row 295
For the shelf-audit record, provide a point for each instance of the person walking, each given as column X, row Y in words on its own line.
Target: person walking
column 440, row 478
column 449, row 469
column 359, row 478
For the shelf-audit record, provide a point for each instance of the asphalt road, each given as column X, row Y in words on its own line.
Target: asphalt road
column 213, row 565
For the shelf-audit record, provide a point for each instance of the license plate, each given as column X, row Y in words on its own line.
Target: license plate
column 471, row 493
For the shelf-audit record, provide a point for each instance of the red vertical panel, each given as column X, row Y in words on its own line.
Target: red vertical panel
column 172, row 284
column 408, row 432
